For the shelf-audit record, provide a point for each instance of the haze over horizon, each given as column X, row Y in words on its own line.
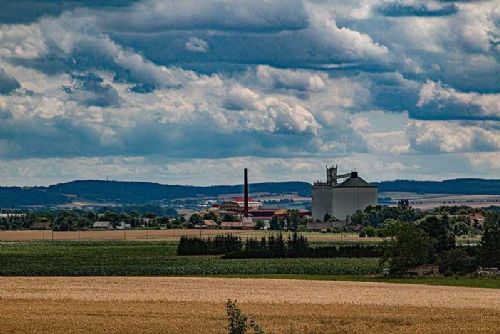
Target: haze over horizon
column 192, row 92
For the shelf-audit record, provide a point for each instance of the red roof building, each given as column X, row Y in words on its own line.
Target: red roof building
column 238, row 225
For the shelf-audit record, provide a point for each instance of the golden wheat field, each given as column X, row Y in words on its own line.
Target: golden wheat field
column 196, row 305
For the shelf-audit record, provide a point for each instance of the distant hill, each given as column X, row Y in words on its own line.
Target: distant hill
column 143, row 192
column 455, row 186
column 131, row 192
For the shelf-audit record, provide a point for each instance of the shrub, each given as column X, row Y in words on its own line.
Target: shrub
column 238, row 322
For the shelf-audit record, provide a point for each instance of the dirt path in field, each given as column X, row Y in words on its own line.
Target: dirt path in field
column 196, row 305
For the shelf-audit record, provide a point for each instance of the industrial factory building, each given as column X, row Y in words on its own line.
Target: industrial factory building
column 341, row 200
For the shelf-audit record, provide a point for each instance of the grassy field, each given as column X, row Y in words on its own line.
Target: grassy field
column 196, row 305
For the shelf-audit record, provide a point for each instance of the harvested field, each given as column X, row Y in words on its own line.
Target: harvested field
column 196, row 305
column 166, row 235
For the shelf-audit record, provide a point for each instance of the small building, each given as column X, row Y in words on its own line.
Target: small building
column 206, row 224
column 238, row 225
column 12, row 215
column 423, row 270
column 145, row 221
column 123, row 226
column 40, row 225
column 317, row 226
column 265, row 215
column 102, row 225
column 237, row 204
column 476, row 218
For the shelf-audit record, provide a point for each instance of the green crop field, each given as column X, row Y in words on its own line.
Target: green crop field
column 154, row 258
column 158, row 258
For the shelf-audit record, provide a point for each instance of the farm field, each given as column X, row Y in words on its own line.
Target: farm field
column 165, row 235
column 129, row 258
column 158, row 258
column 175, row 235
column 195, row 305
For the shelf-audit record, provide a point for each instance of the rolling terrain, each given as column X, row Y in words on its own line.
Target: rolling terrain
column 144, row 192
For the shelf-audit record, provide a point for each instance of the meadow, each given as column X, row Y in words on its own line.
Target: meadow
column 197, row 305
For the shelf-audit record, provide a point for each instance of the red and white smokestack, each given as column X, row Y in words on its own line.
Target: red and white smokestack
column 245, row 190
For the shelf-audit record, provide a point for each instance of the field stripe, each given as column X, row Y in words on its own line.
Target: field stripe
column 218, row 290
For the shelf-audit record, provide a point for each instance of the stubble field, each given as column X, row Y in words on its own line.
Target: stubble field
column 196, row 305
column 164, row 235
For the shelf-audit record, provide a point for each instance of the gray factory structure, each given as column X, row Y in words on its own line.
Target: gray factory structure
column 341, row 200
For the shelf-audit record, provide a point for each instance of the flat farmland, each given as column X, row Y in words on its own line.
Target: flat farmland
column 196, row 305
column 153, row 258
column 165, row 235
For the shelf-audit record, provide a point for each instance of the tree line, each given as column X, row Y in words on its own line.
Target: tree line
column 273, row 246
column 431, row 240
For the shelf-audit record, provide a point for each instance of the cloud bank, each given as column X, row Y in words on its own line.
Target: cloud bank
column 141, row 82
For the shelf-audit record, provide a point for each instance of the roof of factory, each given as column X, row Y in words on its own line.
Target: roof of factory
column 355, row 182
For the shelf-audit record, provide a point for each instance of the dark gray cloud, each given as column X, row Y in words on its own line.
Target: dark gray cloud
column 26, row 11
column 251, row 16
column 143, row 88
column 7, row 83
column 226, row 79
column 401, row 9
column 90, row 90
column 437, row 102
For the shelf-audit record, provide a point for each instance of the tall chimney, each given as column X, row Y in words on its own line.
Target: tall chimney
column 245, row 189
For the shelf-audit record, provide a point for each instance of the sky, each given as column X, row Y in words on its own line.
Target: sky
column 193, row 91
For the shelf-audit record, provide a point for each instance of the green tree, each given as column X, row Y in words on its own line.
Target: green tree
column 369, row 231
column 195, row 219
column 293, row 219
column 456, row 261
column 490, row 241
column 210, row 216
column 276, row 223
column 439, row 229
column 259, row 225
column 230, row 218
column 408, row 246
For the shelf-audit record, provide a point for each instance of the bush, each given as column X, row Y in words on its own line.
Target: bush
column 238, row 322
